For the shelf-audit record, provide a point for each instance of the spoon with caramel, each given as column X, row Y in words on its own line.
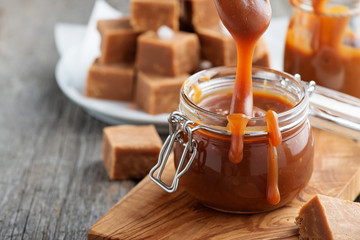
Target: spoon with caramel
column 246, row 20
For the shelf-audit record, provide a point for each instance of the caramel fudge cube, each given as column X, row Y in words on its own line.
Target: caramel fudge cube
column 118, row 41
column 130, row 151
column 171, row 56
column 112, row 82
column 196, row 14
column 151, row 14
column 261, row 54
column 329, row 218
column 218, row 47
column 158, row 94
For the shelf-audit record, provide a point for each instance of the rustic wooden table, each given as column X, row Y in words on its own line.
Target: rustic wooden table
column 52, row 182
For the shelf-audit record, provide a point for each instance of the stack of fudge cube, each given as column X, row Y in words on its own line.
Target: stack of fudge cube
column 146, row 56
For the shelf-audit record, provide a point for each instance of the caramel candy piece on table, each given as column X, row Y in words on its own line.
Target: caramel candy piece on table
column 151, row 14
column 112, row 82
column 196, row 14
column 170, row 57
column 329, row 218
column 130, row 151
column 118, row 41
column 218, row 47
column 157, row 94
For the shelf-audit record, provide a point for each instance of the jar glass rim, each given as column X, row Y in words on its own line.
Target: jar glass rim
column 299, row 107
column 306, row 5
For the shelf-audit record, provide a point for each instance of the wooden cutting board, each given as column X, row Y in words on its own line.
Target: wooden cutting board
column 148, row 212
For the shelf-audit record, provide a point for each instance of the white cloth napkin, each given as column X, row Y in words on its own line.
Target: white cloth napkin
column 78, row 46
column 85, row 38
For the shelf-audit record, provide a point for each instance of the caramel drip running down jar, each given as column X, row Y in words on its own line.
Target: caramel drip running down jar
column 201, row 141
column 323, row 43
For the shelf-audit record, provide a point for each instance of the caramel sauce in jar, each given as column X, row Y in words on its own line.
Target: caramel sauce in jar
column 240, row 148
column 323, row 44
column 244, row 187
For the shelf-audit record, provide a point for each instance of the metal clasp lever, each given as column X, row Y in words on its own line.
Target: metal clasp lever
column 179, row 126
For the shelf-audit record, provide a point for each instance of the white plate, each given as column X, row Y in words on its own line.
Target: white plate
column 72, row 84
column 112, row 112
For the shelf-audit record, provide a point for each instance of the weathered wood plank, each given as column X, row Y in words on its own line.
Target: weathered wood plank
column 52, row 183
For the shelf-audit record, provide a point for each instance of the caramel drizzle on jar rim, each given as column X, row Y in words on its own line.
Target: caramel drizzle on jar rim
column 275, row 139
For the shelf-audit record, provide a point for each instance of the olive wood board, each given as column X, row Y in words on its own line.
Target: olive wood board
column 148, row 212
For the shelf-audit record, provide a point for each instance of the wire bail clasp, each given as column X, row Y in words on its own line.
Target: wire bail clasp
column 179, row 126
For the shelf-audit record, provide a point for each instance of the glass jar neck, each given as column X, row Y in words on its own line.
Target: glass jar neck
column 348, row 7
column 223, row 78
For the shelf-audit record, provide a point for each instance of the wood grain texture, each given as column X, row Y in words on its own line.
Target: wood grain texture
column 148, row 212
column 52, row 182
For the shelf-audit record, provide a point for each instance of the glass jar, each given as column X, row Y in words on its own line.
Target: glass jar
column 201, row 144
column 323, row 43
